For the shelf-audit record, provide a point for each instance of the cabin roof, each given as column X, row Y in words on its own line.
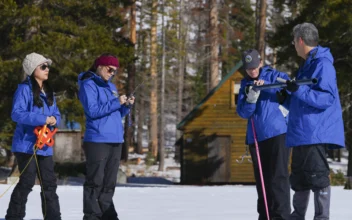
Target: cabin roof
column 191, row 114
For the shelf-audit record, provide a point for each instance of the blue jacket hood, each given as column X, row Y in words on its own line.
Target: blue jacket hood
column 91, row 75
column 324, row 52
column 315, row 54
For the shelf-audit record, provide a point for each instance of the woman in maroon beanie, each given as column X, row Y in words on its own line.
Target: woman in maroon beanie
column 103, row 138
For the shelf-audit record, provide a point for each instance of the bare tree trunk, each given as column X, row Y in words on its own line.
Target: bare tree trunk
column 154, row 82
column 207, row 69
column 141, row 114
column 274, row 58
column 162, row 100
column 225, row 51
column 257, row 9
column 180, row 80
column 348, row 135
column 141, row 103
column 214, row 45
column 31, row 30
column 294, row 8
column 133, row 33
column 261, row 29
column 129, row 122
column 142, row 52
column 349, row 170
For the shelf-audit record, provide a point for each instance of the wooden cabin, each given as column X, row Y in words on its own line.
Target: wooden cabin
column 214, row 138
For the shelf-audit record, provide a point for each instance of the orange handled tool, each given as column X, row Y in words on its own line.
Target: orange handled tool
column 44, row 136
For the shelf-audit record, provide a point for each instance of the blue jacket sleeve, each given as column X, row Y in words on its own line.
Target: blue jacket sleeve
column 88, row 96
column 124, row 110
column 21, row 112
column 244, row 109
column 321, row 95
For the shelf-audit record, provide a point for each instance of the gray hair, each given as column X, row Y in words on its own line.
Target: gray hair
column 308, row 32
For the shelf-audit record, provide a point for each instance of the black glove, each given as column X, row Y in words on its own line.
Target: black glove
column 281, row 96
column 292, row 85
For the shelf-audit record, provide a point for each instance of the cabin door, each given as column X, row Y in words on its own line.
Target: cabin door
column 219, row 163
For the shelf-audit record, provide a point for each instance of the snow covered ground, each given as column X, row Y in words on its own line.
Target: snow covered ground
column 171, row 168
column 175, row 203
column 340, row 166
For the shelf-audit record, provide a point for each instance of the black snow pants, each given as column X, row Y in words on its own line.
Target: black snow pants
column 274, row 157
column 102, row 165
column 50, row 207
column 310, row 172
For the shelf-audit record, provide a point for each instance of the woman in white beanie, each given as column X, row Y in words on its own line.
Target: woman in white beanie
column 34, row 105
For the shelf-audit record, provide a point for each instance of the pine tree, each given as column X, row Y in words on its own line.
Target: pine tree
column 154, row 81
column 71, row 33
column 237, row 31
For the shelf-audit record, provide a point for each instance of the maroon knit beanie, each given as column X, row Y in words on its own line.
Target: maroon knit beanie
column 106, row 61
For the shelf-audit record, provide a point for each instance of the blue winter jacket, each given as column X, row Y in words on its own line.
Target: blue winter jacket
column 268, row 118
column 315, row 110
column 102, row 109
column 27, row 116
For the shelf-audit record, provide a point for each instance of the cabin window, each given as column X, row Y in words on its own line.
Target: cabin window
column 234, row 93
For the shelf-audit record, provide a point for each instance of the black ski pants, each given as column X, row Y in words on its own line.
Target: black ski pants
column 274, row 157
column 310, row 171
column 102, row 164
column 49, row 198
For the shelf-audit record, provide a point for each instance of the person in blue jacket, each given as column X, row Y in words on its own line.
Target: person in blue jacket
column 270, row 126
column 103, row 138
column 315, row 123
column 34, row 105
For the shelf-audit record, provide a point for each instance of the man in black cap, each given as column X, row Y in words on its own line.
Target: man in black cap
column 269, row 121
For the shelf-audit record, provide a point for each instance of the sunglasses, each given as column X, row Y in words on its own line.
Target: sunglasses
column 112, row 70
column 43, row 67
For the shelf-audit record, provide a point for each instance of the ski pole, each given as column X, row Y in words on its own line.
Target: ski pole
column 260, row 168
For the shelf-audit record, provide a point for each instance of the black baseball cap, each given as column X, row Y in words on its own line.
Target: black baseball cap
column 250, row 59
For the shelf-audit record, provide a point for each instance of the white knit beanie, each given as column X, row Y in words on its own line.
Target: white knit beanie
column 32, row 60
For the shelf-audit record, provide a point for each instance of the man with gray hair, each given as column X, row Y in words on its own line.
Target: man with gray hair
column 315, row 123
